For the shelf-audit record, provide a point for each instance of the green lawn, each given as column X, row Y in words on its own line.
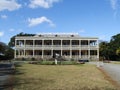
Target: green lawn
column 60, row 77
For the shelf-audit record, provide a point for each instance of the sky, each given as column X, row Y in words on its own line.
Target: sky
column 88, row 18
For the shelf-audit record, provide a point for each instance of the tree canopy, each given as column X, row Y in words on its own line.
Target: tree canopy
column 12, row 40
column 6, row 52
column 118, row 51
column 111, row 49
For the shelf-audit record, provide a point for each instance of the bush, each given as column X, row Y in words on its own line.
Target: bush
column 68, row 63
column 23, row 59
column 33, row 62
column 72, row 59
column 33, row 59
column 47, row 63
column 51, row 59
column 58, row 63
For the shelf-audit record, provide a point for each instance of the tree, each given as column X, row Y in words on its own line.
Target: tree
column 6, row 52
column 104, row 50
column 9, row 53
column 118, row 52
column 111, row 50
column 12, row 40
column 2, row 48
column 114, row 45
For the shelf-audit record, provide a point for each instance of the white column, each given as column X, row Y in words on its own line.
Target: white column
column 98, row 53
column 97, row 49
column 33, row 48
column 89, row 53
column 52, row 49
column 51, row 52
column 15, row 53
column 24, row 47
column 61, row 47
column 79, row 48
column 70, row 48
column 24, row 52
column 88, row 48
column 42, row 48
column 42, row 53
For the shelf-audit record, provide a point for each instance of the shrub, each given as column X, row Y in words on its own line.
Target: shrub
column 58, row 62
column 46, row 62
column 33, row 59
column 68, row 63
column 23, row 59
column 72, row 59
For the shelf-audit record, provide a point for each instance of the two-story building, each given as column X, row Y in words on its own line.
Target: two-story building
column 67, row 45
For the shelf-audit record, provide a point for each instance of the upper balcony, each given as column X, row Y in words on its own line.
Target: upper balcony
column 57, row 47
column 57, row 44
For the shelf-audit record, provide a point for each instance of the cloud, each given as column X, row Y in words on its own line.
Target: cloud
column 9, row 5
column 1, row 34
column 11, row 30
column 114, row 4
column 3, row 16
column 15, row 30
column 42, row 3
column 36, row 21
column 81, row 31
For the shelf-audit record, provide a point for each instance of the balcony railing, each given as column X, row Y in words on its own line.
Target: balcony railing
column 76, row 57
column 57, row 46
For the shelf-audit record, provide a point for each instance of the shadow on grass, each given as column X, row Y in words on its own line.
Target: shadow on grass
column 18, row 71
column 21, row 81
column 8, row 84
column 32, row 82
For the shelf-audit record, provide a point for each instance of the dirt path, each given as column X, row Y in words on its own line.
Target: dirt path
column 113, row 70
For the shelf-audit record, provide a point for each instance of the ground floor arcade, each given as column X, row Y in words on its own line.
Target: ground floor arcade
column 76, row 54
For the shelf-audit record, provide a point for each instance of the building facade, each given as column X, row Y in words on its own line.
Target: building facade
column 45, row 46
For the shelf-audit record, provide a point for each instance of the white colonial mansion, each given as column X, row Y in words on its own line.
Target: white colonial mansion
column 67, row 45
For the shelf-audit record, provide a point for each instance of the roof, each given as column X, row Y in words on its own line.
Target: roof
column 54, row 36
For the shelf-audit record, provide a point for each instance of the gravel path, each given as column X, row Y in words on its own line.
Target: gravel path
column 113, row 70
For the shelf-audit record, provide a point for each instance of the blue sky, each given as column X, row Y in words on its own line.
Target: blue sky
column 89, row 18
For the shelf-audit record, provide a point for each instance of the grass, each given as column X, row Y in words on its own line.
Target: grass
column 61, row 77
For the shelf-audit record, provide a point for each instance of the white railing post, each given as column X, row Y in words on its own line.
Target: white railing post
column 33, row 47
column 79, row 48
column 61, row 47
column 42, row 48
column 70, row 48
